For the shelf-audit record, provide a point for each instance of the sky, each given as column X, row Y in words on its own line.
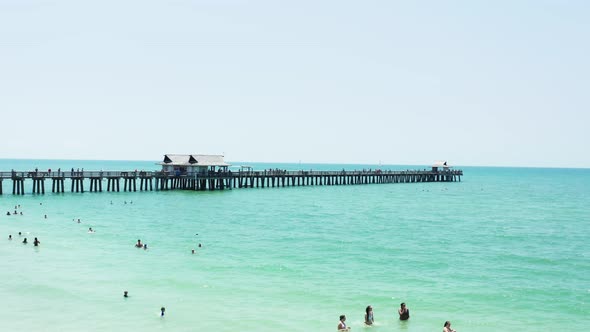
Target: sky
column 490, row 83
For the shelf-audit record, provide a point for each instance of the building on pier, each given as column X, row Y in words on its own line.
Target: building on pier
column 441, row 164
column 192, row 163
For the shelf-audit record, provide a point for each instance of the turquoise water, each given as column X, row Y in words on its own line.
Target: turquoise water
column 506, row 248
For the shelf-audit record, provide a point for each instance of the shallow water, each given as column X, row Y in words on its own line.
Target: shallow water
column 505, row 248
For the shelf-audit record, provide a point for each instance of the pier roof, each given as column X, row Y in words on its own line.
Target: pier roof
column 443, row 164
column 193, row 160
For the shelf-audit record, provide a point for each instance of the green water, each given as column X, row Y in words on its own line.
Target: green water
column 505, row 248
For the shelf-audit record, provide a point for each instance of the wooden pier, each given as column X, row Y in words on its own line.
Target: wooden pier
column 215, row 180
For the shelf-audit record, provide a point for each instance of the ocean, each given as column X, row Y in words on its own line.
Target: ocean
column 504, row 249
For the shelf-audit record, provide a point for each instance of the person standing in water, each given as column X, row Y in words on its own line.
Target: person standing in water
column 36, row 242
column 342, row 324
column 447, row 327
column 369, row 320
column 138, row 244
column 404, row 312
column 162, row 311
column 25, row 241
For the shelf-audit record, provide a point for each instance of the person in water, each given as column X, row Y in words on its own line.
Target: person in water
column 25, row 241
column 90, row 230
column 7, row 213
column 138, row 244
column 193, row 251
column 36, row 242
column 342, row 324
column 404, row 312
column 10, row 237
column 125, row 294
column 447, row 327
column 144, row 246
column 369, row 316
column 45, row 216
column 162, row 311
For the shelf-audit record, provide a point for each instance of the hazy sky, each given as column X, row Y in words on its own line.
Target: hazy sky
column 401, row 82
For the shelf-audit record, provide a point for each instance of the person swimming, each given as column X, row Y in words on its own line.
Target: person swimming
column 138, row 244
column 162, row 311
column 125, row 294
column 36, row 242
column 20, row 234
column 90, row 230
column 193, row 251
column 369, row 315
column 10, row 237
column 79, row 221
column 7, row 213
column 404, row 312
column 25, row 241
column 342, row 324
column 447, row 327
column 45, row 216
column 144, row 246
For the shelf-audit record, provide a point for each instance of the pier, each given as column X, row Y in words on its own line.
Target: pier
column 212, row 180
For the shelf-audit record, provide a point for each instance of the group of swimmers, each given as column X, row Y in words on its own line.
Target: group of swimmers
column 162, row 309
column 403, row 312
column 36, row 242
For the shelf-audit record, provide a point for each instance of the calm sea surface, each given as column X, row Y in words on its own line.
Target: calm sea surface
column 505, row 249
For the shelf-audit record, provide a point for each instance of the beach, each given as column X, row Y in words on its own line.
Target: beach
column 506, row 248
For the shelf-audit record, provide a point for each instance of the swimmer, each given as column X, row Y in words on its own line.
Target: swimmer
column 15, row 212
column 138, row 244
column 36, row 242
column 20, row 234
column 45, row 216
column 7, row 213
column 369, row 316
column 145, row 246
column 200, row 245
column 111, row 202
column 21, row 213
column 162, row 310
column 342, row 325
column 78, row 220
column 447, row 327
column 25, row 241
column 125, row 294
column 90, row 230
column 404, row 312
column 10, row 237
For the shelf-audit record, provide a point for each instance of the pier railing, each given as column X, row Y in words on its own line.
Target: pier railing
column 212, row 180
column 123, row 174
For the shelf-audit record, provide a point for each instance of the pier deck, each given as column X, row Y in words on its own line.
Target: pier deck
column 159, row 180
